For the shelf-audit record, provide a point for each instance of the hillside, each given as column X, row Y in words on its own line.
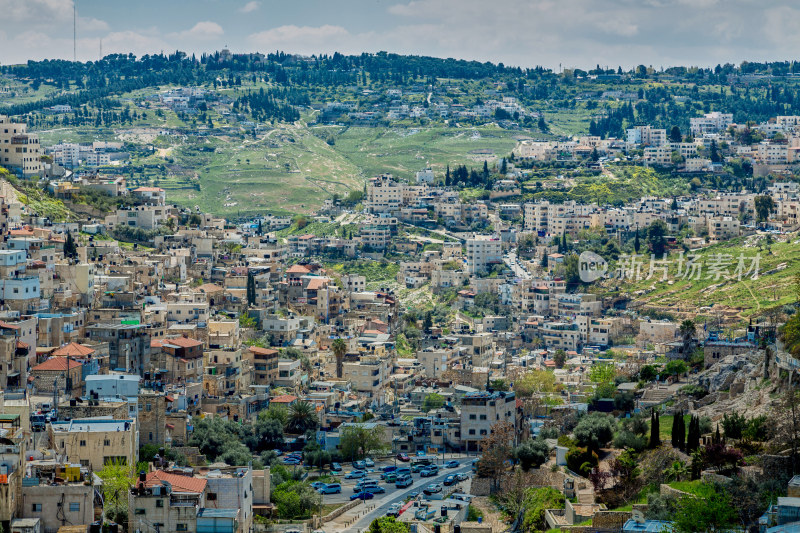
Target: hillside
column 729, row 300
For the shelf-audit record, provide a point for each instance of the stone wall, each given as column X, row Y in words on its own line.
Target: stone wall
column 610, row 519
column 343, row 509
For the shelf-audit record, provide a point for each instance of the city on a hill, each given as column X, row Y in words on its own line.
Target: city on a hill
column 245, row 292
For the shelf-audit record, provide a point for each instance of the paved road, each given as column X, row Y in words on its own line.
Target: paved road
column 514, row 264
column 382, row 502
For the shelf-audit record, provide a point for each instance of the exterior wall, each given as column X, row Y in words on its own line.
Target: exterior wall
column 55, row 505
column 94, row 448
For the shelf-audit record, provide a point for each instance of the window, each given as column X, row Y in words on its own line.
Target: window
column 472, row 417
column 471, row 431
column 159, row 503
column 139, row 511
column 84, row 462
column 83, row 443
column 181, row 527
column 211, row 496
column 74, row 507
column 483, row 417
column 37, row 508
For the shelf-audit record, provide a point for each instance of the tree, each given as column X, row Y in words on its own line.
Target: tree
column 674, row 205
column 496, row 448
column 734, row 425
column 676, row 367
column 687, row 330
column 594, row 431
column 388, row 524
column 339, row 350
column 655, row 431
column 532, row 453
column 499, row 385
column 118, row 478
column 302, row 417
column 251, row 289
column 693, row 437
column 656, row 236
column 536, row 502
column 677, row 471
column 713, row 512
column 544, row 260
column 535, row 382
column 675, row 134
column 268, row 431
column 70, row 248
column 560, row 358
column 432, row 401
column 764, row 205
column 636, row 243
column 786, row 421
column 648, row 372
column 358, row 441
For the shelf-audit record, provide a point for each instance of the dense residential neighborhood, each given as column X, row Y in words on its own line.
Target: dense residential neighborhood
column 549, row 327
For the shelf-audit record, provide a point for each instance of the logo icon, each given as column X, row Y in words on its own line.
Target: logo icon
column 591, row 267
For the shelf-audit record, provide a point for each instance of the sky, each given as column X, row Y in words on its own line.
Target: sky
column 526, row 33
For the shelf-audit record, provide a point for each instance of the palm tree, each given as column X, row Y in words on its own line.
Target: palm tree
column 302, row 417
column 339, row 350
column 677, row 471
column 687, row 331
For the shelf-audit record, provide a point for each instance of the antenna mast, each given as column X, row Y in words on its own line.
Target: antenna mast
column 74, row 31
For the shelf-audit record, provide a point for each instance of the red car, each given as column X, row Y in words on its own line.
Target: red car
column 403, row 457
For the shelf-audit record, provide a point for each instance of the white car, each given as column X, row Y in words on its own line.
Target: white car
column 369, row 462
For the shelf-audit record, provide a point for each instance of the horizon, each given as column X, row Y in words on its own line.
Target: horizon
column 565, row 35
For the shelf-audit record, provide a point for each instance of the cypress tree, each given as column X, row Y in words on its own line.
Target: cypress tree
column 70, row 248
column 251, row 289
column 636, row 243
column 655, row 440
column 675, row 430
column 564, row 243
column 681, row 440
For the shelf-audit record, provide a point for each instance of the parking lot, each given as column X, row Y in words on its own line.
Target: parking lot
column 392, row 492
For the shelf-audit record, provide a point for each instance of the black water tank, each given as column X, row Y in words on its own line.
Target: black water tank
column 95, row 527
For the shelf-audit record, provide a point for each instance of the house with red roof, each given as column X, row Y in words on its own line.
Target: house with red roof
column 62, row 373
column 171, row 500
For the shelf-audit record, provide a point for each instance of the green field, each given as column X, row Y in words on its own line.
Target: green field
column 292, row 169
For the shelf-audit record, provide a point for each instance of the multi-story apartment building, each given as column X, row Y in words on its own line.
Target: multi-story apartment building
column 265, row 365
column 166, row 502
column 20, row 151
column 482, row 410
column 93, row 442
column 482, row 252
column 710, row 123
column 646, row 136
column 367, row 378
column 384, row 195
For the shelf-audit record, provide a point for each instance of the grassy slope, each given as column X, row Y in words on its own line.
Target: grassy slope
column 774, row 286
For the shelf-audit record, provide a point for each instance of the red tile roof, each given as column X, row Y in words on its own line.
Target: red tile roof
column 179, row 483
column 57, row 364
column 6, row 325
column 73, row 349
column 183, row 342
column 316, row 284
column 262, row 351
column 148, row 189
column 297, row 269
column 285, row 398
column 155, row 343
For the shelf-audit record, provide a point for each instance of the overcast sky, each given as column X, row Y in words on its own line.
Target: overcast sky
column 573, row 33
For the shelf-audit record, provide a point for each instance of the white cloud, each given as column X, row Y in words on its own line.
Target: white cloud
column 306, row 39
column 249, row 7
column 205, row 30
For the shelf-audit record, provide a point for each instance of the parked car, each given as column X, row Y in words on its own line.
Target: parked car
column 369, row 462
column 331, row 488
column 365, row 484
column 403, row 457
column 291, row 461
column 359, row 465
column 450, row 480
column 375, row 489
column 390, row 477
column 452, row 464
column 403, row 471
column 403, row 481
column 387, row 469
column 462, row 477
column 318, row 485
column 433, row 488
column 362, row 496
column 355, row 474
column 418, row 467
column 427, row 472
column 413, row 494
column 336, row 467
